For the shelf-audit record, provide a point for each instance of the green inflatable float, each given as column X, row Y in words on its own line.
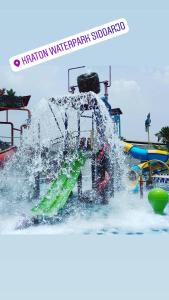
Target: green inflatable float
column 158, row 199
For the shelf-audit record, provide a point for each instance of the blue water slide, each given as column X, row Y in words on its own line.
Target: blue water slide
column 143, row 154
column 139, row 153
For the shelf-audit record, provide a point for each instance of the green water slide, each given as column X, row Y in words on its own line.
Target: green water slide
column 61, row 187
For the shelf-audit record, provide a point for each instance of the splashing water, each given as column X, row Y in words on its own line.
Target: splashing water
column 41, row 153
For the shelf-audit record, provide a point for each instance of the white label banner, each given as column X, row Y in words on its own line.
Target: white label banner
column 70, row 44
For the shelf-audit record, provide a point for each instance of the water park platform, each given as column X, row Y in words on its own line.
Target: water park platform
column 10, row 103
column 60, row 164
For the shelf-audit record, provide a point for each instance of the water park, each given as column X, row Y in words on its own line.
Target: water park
column 69, row 161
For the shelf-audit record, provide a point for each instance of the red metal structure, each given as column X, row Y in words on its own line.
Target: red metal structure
column 12, row 103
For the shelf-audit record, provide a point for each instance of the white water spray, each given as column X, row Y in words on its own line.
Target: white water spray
column 42, row 153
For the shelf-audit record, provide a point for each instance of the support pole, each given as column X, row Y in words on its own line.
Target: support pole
column 78, row 129
column 37, row 174
column 93, row 159
column 7, row 115
column 119, row 127
column 141, row 187
column 79, row 186
column 112, row 174
column 66, row 134
column 93, row 171
column 79, row 182
column 148, row 136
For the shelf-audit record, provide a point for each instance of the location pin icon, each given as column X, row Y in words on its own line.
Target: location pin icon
column 17, row 62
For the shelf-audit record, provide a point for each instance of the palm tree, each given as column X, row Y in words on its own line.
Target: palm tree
column 10, row 92
column 163, row 136
column 2, row 92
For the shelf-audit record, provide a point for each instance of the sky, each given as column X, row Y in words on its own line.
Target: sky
column 139, row 59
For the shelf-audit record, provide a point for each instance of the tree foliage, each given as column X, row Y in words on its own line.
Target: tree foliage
column 163, row 136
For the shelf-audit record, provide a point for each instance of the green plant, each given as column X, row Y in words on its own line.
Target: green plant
column 159, row 147
column 163, row 136
column 2, row 92
column 10, row 92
